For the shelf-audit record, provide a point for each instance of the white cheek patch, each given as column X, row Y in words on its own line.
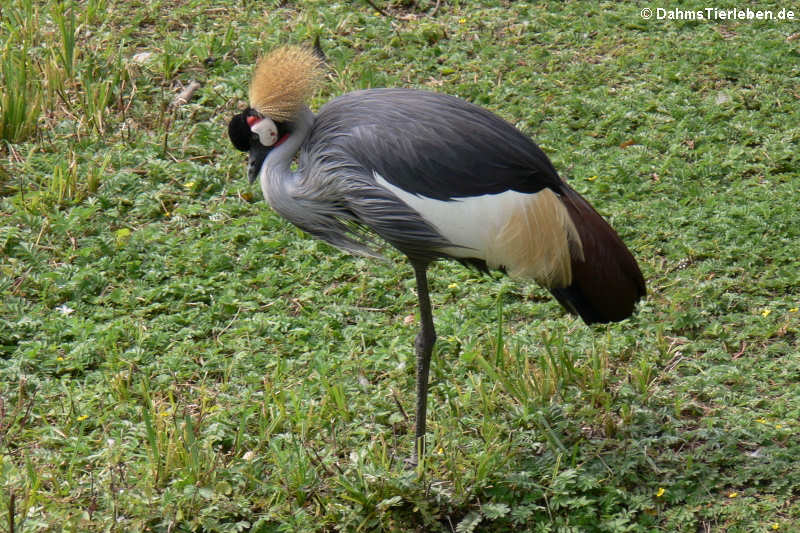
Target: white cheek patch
column 266, row 130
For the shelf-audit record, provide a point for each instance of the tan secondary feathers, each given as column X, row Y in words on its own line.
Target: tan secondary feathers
column 539, row 241
column 283, row 81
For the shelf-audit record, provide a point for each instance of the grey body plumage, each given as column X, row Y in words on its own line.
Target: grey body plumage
column 398, row 134
column 335, row 197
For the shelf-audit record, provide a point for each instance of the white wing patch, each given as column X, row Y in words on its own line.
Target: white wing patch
column 530, row 235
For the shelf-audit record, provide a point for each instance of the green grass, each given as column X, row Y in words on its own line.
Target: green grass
column 175, row 357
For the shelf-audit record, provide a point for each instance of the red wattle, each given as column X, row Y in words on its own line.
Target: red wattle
column 252, row 121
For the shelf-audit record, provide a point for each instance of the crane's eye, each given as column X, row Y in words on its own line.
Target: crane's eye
column 239, row 132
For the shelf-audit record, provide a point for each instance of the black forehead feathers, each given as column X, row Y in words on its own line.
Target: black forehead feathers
column 239, row 131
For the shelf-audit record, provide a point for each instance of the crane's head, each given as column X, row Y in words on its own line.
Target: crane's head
column 281, row 85
column 256, row 134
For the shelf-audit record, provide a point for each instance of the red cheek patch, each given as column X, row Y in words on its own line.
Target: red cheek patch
column 252, row 121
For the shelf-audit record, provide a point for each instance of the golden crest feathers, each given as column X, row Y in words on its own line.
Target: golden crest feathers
column 283, row 81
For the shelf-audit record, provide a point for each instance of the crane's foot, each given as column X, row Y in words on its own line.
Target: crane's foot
column 411, row 463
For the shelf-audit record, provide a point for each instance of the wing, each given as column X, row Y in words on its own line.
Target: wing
column 432, row 144
column 436, row 176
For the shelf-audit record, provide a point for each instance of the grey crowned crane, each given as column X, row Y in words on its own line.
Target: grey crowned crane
column 436, row 177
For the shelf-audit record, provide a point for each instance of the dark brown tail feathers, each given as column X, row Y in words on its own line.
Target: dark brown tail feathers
column 607, row 284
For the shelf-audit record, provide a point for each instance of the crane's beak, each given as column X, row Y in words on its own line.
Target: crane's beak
column 258, row 153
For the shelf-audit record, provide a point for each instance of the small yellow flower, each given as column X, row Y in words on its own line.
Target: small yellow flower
column 453, row 286
column 778, row 426
column 733, row 494
column 776, row 526
column 189, row 184
column 765, row 313
column 794, row 310
column 592, row 178
column 660, row 492
column 82, row 418
column 163, row 413
column 440, row 451
column 761, row 421
column 122, row 235
column 462, row 21
column 59, row 358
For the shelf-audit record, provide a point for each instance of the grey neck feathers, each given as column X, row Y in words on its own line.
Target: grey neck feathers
column 276, row 172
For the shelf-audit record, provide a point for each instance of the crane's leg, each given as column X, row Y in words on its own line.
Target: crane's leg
column 424, row 347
